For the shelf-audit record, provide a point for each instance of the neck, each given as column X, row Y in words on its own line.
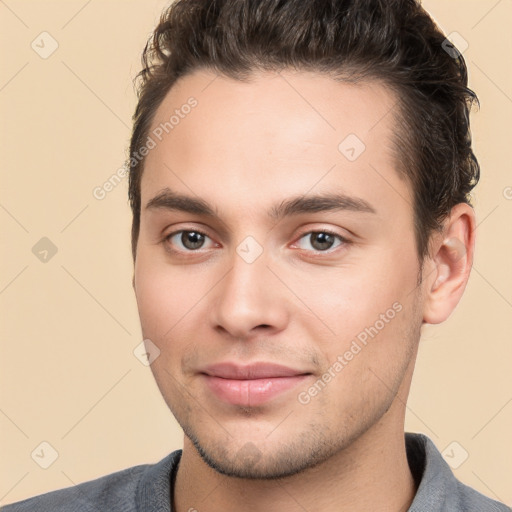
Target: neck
column 371, row 474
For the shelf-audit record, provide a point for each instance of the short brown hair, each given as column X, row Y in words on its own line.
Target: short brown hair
column 393, row 41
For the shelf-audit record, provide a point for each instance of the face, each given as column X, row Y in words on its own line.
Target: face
column 275, row 229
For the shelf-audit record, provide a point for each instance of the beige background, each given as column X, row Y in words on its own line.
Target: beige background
column 69, row 326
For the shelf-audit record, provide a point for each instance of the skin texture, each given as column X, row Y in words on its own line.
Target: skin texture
column 244, row 148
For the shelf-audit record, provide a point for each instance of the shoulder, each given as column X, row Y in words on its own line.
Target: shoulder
column 470, row 499
column 114, row 492
column 107, row 492
column 438, row 488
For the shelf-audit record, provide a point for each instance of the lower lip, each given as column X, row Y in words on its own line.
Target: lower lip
column 251, row 392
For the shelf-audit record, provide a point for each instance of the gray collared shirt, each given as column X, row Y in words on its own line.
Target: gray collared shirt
column 148, row 488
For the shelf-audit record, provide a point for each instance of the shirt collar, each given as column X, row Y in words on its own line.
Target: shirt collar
column 437, row 490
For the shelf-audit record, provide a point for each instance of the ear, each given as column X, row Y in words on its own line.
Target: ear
column 450, row 264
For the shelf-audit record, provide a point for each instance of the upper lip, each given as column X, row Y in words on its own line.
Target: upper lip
column 261, row 370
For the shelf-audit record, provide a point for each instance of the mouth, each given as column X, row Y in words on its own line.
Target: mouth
column 253, row 384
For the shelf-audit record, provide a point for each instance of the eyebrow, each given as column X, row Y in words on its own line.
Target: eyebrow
column 169, row 200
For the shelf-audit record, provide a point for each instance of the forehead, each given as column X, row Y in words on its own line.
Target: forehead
column 276, row 134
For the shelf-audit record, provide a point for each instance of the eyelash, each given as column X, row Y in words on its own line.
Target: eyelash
column 344, row 241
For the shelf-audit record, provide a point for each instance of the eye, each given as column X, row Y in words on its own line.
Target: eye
column 321, row 240
column 190, row 240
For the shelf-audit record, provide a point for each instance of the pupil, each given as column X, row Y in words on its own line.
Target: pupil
column 192, row 240
column 325, row 240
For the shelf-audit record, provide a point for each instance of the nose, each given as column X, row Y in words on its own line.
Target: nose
column 248, row 299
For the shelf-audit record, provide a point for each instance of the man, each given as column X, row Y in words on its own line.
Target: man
column 299, row 181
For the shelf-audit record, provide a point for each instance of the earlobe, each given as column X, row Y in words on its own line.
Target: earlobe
column 452, row 263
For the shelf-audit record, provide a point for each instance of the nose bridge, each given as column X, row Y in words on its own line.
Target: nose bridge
column 247, row 297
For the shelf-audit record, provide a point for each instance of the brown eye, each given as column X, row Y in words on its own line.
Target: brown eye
column 187, row 240
column 320, row 241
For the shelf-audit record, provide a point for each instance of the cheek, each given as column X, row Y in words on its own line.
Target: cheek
column 160, row 298
column 171, row 300
column 349, row 299
column 161, row 303
column 371, row 316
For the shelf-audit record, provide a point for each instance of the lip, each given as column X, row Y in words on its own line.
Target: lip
column 253, row 384
column 251, row 371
